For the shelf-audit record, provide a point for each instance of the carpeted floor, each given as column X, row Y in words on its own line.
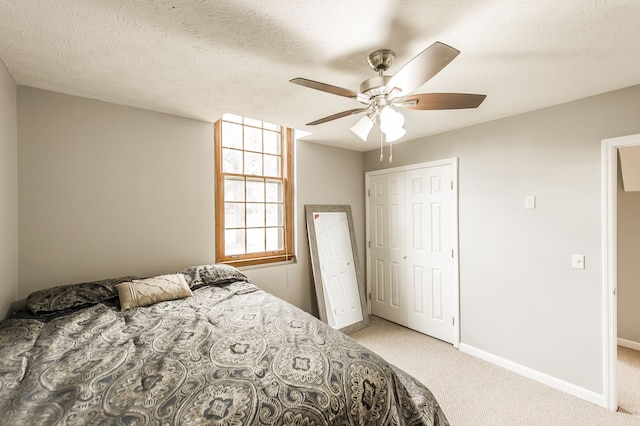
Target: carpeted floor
column 474, row 392
column 628, row 381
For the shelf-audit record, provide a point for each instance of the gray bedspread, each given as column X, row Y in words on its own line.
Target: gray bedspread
column 229, row 355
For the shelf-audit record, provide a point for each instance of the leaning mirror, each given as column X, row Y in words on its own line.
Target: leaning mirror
column 338, row 282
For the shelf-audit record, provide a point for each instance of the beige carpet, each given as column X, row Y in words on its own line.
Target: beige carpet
column 475, row 392
column 629, row 381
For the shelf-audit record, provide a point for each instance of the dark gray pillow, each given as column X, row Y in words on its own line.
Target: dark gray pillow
column 216, row 274
column 65, row 297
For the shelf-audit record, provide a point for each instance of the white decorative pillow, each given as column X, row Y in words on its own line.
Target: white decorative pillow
column 152, row 290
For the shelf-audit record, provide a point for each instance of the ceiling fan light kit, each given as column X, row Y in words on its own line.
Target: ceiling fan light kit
column 389, row 120
column 394, row 135
column 362, row 128
column 381, row 93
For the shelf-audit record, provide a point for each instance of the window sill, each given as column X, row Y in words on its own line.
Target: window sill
column 261, row 262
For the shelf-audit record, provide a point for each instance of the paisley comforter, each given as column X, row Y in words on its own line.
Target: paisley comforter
column 231, row 354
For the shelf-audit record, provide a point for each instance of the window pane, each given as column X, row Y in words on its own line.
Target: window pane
column 252, row 139
column 231, row 135
column 275, row 239
column 252, row 122
column 272, row 142
column 234, row 241
column 275, row 216
column 252, row 164
column 234, row 215
column 255, row 190
column 255, row 240
column 271, row 165
column 233, row 189
column 274, row 190
column 231, row 117
column 270, row 126
column 255, row 215
column 231, row 161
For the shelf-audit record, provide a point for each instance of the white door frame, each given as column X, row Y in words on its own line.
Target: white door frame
column 610, row 264
column 453, row 162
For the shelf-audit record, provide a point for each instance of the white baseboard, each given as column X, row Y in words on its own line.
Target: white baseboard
column 628, row 344
column 532, row 374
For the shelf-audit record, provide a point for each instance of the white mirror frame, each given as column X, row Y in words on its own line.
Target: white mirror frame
column 323, row 301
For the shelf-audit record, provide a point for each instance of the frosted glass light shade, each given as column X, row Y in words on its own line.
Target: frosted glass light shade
column 395, row 134
column 362, row 128
column 390, row 120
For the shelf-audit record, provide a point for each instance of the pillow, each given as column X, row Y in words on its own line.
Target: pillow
column 216, row 274
column 152, row 290
column 61, row 298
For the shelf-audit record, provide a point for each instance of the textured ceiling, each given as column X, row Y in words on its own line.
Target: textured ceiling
column 202, row 58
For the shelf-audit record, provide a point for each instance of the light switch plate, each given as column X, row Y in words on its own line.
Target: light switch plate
column 577, row 261
column 530, row 202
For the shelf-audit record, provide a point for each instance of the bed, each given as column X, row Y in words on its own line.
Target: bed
column 228, row 353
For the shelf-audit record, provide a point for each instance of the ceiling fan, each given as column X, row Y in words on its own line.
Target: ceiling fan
column 380, row 94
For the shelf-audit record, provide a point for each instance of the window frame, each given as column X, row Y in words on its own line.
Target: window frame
column 247, row 259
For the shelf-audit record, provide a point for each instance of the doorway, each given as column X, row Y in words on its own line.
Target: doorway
column 609, row 263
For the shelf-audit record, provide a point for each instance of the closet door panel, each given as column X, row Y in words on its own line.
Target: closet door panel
column 418, row 239
column 430, row 281
column 387, row 211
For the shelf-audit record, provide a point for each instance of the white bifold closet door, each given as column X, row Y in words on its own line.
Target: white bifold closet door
column 412, row 222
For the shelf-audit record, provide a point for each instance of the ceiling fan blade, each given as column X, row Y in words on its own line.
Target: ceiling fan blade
column 338, row 115
column 340, row 91
column 422, row 68
column 432, row 101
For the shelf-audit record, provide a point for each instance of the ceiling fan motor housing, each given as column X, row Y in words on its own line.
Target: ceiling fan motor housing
column 375, row 85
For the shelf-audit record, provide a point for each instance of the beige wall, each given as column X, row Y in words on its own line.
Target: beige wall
column 520, row 300
column 8, row 192
column 108, row 190
column 628, row 264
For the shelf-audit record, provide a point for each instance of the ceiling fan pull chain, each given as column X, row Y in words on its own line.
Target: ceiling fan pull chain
column 381, row 149
column 391, row 152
